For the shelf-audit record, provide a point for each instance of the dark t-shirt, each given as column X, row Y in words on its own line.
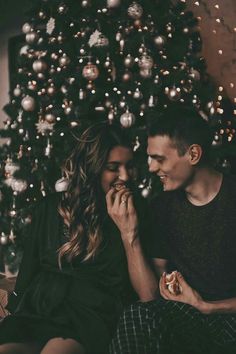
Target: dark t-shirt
column 198, row 241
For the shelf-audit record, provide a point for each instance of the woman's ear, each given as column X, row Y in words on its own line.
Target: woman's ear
column 195, row 153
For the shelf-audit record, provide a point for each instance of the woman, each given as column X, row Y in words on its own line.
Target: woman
column 73, row 281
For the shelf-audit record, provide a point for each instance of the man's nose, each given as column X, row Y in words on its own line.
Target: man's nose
column 153, row 166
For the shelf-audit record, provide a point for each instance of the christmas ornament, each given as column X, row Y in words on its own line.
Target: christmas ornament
column 90, row 71
column 137, row 94
column 113, row 3
column 145, row 62
column 18, row 185
column 50, row 25
column 32, row 85
column 43, row 127
column 85, row 3
column 82, row 94
column 50, row 118
column 62, row 9
column 160, row 41
column 24, row 50
column 51, row 90
column 127, row 119
column 135, row 11
column 17, row 91
column 97, row 39
column 129, row 61
column 64, row 60
column 28, row 103
column 31, row 37
column 173, row 93
column 26, row 28
column 47, row 153
column 194, row 74
column 3, row 239
column 39, row 66
column 12, row 236
column 61, row 185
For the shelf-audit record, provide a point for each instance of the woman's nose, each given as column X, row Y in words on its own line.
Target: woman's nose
column 123, row 174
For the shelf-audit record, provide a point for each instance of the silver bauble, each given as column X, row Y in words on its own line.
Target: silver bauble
column 50, row 118
column 39, row 66
column 160, row 41
column 85, row 3
column 19, row 185
column 145, row 62
column 26, row 28
column 31, row 37
column 3, row 239
column 174, row 93
column 64, row 60
column 28, row 103
column 129, row 61
column 24, row 50
column 113, row 3
column 127, row 119
column 17, row 91
column 135, row 11
column 90, row 72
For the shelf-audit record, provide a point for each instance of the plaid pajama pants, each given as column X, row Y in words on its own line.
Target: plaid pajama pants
column 169, row 327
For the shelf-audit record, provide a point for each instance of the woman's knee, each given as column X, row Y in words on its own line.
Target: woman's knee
column 63, row 346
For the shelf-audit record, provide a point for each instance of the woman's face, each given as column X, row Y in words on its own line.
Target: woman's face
column 119, row 168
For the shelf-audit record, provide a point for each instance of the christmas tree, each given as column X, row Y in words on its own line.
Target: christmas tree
column 121, row 58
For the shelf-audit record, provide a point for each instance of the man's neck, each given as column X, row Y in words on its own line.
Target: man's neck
column 204, row 186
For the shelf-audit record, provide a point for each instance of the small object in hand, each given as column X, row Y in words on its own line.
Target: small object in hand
column 118, row 186
column 172, row 283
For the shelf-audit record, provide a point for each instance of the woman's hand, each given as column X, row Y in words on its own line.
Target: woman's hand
column 188, row 295
column 121, row 209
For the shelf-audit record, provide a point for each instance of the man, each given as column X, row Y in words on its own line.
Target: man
column 194, row 223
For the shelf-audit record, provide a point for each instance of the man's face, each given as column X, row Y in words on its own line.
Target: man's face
column 174, row 171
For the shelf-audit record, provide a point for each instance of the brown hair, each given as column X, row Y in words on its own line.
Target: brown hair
column 83, row 208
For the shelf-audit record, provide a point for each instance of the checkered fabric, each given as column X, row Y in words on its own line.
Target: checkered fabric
column 169, row 327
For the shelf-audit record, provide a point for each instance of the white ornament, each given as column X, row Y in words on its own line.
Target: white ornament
column 97, row 39
column 127, row 119
column 26, row 28
column 17, row 91
column 135, row 11
column 61, row 185
column 160, row 41
column 24, row 50
column 50, row 25
column 43, row 126
column 28, row 103
column 3, row 239
column 113, row 3
column 39, row 66
column 31, row 37
column 18, row 185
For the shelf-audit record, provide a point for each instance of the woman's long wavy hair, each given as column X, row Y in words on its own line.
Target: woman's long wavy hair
column 83, row 207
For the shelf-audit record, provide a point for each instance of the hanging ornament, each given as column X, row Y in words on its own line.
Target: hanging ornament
column 61, row 184
column 127, row 119
column 17, row 91
column 47, row 152
column 18, row 185
column 137, row 94
column 129, row 61
column 51, row 90
column 113, row 3
column 217, row 140
column 97, row 39
column 62, row 9
column 85, row 3
column 90, row 71
column 32, row 85
column 31, row 37
column 24, row 50
column 50, row 118
column 3, row 239
column 64, row 60
column 28, row 103
column 10, row 167
column 39, row 66
column 174, row 93
column 145, row 62
column 194, row 74
column 26, row 28
column 43, row 127
column 82, row 94
column 160, row 41
column 135, row 11
column 50, row 25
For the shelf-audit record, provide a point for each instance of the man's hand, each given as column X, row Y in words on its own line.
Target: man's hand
column 188, row 295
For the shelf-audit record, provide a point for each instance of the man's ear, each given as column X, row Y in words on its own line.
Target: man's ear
column 195, row 153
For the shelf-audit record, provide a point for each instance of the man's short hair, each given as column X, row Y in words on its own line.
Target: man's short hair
column 184, row 126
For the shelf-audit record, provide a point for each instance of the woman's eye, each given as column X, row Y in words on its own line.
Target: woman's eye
column 112, row 168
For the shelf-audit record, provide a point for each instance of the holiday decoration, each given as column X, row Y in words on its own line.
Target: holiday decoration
column 114, row 60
